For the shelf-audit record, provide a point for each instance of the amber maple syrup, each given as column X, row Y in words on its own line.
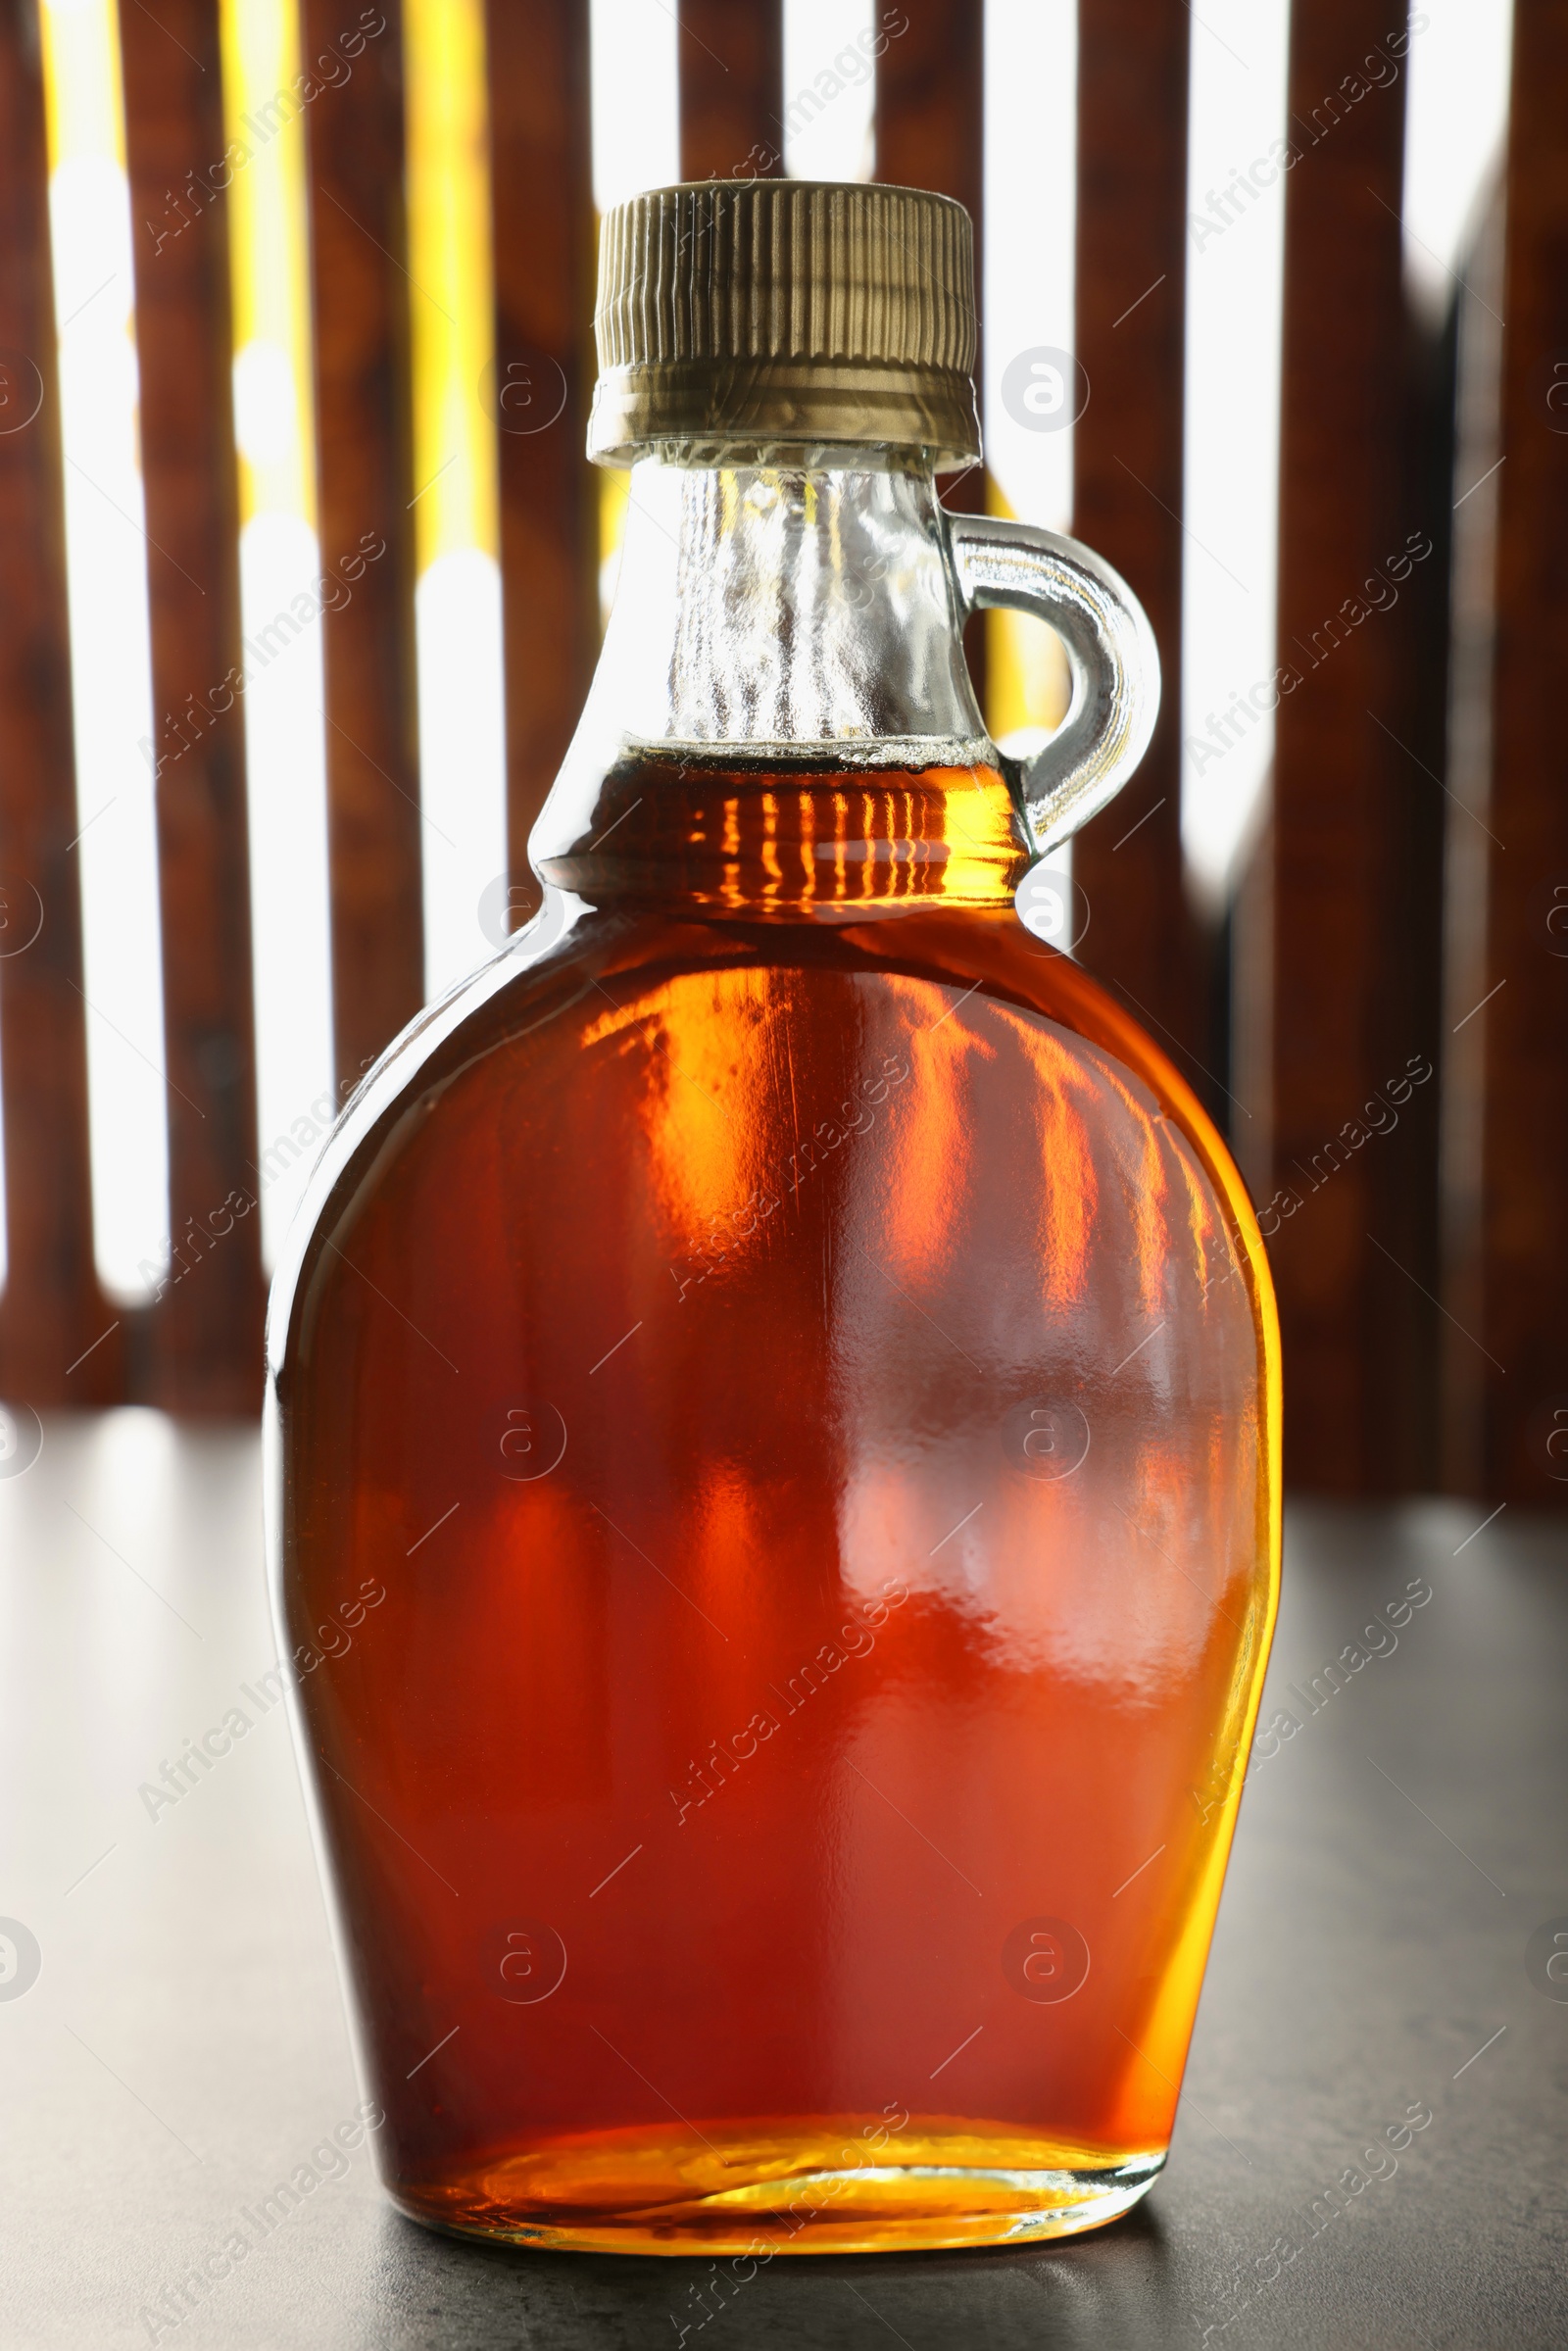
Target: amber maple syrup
column 794, row 1353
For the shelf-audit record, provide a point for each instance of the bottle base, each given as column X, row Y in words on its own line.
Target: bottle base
column 818, row 2189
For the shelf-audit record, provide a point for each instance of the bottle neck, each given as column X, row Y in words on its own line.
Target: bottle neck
column 781, row 633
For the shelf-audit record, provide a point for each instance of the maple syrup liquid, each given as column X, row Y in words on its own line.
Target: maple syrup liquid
column 794, row 1363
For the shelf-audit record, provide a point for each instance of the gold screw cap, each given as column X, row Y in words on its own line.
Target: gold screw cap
column 786, row 312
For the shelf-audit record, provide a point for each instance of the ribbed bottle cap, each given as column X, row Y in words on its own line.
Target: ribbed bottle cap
column 781, row 311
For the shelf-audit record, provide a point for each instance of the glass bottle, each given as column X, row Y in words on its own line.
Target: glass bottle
column 773, row 1399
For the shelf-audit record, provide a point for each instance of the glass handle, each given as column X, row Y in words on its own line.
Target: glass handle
column 1110, row 652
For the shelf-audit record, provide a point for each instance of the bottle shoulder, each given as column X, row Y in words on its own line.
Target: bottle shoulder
column 576, row 982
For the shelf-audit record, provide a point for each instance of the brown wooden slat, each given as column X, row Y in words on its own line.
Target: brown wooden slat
column 545, row 270
column 207, row 1329
column 51, row 1308
column 1417, row 812
column 1506, row 1086
column 1131, row 274
column 930, row 131
column 359, row 312
column 731, row 89
column 1330, row 997
column 930, row 102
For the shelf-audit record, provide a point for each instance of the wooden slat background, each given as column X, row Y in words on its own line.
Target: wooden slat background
column 1507, row 1422
column 1131, row 282
column 207, row 1327
column 731, row 63
column 1409, row 866
column 1335, row 1021
column 364, row 488
column 51, row 1309
column 541, row 176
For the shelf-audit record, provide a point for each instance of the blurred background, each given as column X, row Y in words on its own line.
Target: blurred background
column 303, row 573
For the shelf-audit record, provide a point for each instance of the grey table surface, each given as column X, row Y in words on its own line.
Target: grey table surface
column 183, row 2045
